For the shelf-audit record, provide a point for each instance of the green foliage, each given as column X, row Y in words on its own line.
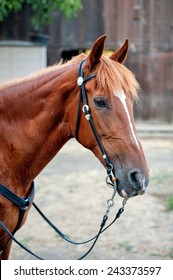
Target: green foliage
column 6, row 6
column 42, row 9
column 170, row 203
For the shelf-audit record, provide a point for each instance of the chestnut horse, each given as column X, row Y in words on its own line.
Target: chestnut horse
column 38, row 116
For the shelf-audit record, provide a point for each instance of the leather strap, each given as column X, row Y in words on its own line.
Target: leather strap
column 22, row 203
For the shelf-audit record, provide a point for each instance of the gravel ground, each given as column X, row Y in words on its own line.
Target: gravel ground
column 72, row 192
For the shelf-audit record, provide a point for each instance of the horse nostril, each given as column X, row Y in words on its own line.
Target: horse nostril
column 134, row 180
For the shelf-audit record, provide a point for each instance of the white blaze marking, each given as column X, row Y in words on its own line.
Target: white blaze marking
column 122, row 97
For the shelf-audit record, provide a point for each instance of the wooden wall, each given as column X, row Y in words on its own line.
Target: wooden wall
column 147, row 23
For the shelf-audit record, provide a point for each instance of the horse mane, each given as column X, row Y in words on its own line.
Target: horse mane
column 38, row 74
column 111, row 75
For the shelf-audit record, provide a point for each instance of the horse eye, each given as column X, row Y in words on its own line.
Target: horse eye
column 100, row 103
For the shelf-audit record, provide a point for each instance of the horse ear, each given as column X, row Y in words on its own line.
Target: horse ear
column 96, row 51
column 121, row 54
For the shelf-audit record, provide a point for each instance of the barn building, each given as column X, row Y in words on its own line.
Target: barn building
column 147, row 24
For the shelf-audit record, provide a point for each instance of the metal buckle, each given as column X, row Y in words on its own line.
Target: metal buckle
column 80, row 81
column 86, row 109
column 27, row 204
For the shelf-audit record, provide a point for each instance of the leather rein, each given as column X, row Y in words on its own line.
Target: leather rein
column 111, row 181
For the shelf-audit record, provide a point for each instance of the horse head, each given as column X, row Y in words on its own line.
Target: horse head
column 111, row 93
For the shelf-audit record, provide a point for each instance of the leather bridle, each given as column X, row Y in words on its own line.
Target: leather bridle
column 86, row 110
column 24, row 203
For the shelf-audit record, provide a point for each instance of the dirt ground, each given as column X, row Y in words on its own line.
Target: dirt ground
column 72, row 192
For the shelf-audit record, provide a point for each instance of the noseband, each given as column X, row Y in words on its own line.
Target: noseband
column 23, row 203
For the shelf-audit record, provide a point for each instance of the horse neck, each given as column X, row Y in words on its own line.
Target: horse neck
column 35, row 124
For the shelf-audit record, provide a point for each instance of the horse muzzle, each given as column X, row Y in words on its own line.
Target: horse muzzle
column 135, row 183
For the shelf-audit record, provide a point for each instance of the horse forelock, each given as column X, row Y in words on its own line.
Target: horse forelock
column 113, row 76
